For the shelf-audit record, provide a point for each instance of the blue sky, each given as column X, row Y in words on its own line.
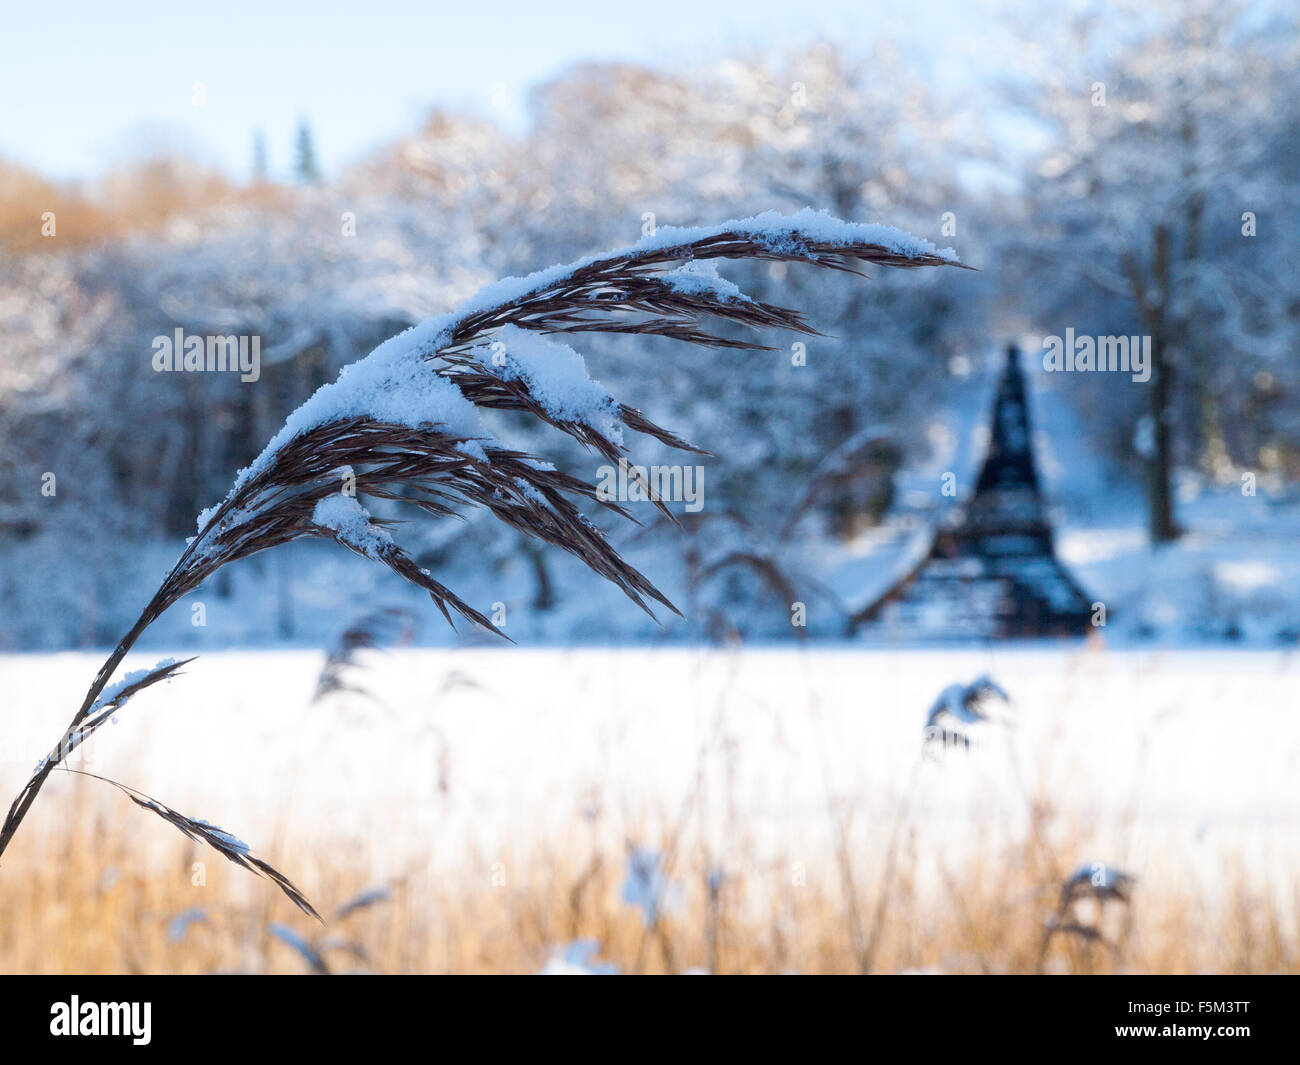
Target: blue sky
column 81, row 83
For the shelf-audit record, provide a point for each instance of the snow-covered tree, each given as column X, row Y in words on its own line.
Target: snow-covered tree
column 1167, row 130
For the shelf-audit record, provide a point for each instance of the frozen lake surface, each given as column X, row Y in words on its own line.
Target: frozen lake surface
column 457, row 753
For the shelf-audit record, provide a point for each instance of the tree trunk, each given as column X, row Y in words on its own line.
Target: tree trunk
column 1153, row 308
column 1160, row 504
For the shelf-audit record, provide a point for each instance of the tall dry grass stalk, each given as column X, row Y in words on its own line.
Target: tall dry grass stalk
column 395, row 427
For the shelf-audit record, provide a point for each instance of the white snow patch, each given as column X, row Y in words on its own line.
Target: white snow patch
column 396, row 384
column 351, row 522
column 206, row 515
column 473, row 449
column 134, row 677
column 556, row 375
column 231, row 842
column 701, row 278
column 530, row 492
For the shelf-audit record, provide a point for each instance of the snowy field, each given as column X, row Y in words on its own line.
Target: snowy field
column 1174, row 755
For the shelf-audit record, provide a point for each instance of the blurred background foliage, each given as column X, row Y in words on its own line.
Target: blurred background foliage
column 1124, row 218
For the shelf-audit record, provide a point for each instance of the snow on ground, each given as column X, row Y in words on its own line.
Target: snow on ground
column 1166, row 756
column 1233, row 576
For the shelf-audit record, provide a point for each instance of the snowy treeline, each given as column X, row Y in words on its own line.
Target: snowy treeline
column 1123, row 217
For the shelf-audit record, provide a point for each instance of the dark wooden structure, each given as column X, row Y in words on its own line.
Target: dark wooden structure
column 992, row 571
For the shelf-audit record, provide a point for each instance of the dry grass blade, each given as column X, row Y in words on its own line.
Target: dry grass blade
column 305, row 950
column 624, row 281
column 230, row 847
column 364, row 901
column 116, row 697
column 391, row 625
column 93, row 714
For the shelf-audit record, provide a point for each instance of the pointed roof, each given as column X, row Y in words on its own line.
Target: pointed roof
column 1010, row 459
column 1007, row 492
